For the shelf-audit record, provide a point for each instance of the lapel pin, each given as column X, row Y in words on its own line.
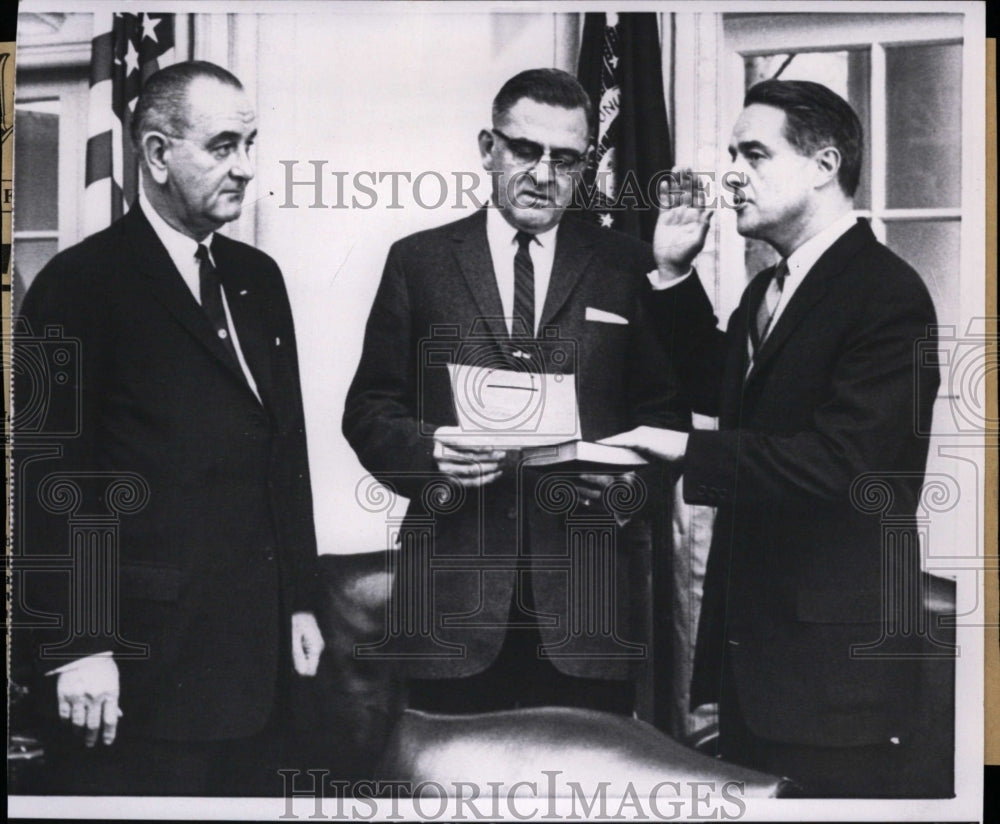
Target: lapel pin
column 277, row 341
column 243, row 291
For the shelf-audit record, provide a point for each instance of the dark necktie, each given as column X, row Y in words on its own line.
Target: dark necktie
column 524, row 288
column 211, row 299
column 768, row 303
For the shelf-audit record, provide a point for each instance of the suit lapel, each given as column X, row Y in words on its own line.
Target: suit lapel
column 472, row 252
column 815, row 284
column 573, row 252
column 738, row 353
column 168, row 287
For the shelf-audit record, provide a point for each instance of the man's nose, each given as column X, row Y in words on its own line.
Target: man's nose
column 242, row 167
column 735, row 177
column 738, row 168
column 542, row 172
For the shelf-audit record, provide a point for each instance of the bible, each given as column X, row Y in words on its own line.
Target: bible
column 584, row 455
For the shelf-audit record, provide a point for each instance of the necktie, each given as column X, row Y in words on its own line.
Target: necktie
column 524, row 288
column 765, row 312
column 211, row 299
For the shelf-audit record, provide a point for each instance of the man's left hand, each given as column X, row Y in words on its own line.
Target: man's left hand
column 307, row 643
column 665, row 444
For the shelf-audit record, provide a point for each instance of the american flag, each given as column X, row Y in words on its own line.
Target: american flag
column 127, row 48
column 620, row 67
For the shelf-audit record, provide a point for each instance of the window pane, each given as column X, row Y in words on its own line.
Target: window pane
column 30, row 256
column 932, row 247
column 924, row 111
column 846, row 72
column 36, row 167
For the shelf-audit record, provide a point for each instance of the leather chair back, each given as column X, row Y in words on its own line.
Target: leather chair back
column 581, row 746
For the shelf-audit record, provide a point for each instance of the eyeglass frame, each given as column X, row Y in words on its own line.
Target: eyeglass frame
column 539, row 152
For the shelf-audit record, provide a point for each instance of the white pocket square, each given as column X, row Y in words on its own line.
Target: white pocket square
column 604, row 317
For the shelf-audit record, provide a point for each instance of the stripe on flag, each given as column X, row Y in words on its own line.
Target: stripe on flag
column 126, row 49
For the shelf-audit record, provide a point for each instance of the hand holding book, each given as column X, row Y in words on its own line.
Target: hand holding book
column 664, row 444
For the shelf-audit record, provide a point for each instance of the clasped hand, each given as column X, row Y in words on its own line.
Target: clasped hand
column 470, row 466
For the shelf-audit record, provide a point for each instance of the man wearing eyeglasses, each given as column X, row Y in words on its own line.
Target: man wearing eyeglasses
column 516, row 587
column 189, row 388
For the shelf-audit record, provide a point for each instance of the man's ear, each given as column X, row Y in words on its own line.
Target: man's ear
column 486, row 144
column 827, row 164
column 155, row 147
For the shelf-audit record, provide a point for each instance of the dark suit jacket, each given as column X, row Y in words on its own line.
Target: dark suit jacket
column 802, row 561
column 224, row 550
column 438, row 303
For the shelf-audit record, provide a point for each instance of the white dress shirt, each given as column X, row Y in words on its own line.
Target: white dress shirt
column 502, row 239
column 182, row 249
column 799, row 263
column 804, row 258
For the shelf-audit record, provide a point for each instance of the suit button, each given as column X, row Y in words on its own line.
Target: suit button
column 512, row 513
column 268, row 553
column 702, row 490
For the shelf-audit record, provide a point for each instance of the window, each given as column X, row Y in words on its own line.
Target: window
column 36, row 184
column 903, row 75
column 909, row 100
column 50, row 138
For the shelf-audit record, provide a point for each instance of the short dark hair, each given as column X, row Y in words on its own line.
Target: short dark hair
column 162, row 103
column 552, row 87
column 816, row 117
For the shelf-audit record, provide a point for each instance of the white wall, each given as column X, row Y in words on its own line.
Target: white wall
column 382, row 93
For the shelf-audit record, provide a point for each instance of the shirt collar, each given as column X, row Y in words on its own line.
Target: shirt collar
column 180, row 247
column 499, row 231
column 804, row 258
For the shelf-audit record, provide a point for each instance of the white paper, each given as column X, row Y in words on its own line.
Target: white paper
column 510, row 408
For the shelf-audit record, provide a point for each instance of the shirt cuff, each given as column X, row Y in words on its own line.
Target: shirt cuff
column 660, row 285
column 79, row 662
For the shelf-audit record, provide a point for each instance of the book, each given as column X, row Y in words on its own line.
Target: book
column 583, row 454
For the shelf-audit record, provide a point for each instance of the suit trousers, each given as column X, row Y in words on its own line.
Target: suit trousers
column 520, row 676
column 869, row 771
column 141, row 766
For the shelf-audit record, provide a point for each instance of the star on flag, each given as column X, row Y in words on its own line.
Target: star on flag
column 131, row 59
column 149, row 25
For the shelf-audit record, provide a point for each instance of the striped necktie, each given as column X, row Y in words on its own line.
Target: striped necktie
column 523, row 323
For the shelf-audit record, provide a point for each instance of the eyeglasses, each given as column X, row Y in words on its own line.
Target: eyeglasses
column 529, row 154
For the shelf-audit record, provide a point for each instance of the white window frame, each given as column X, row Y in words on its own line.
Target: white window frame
column 69, row 87
column 744, row 36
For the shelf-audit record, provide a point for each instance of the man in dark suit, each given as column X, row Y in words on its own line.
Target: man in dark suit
column 809, row 598
column 500, row 601
column 189, row 394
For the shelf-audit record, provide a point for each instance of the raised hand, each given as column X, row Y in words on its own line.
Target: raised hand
column 682, row 225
